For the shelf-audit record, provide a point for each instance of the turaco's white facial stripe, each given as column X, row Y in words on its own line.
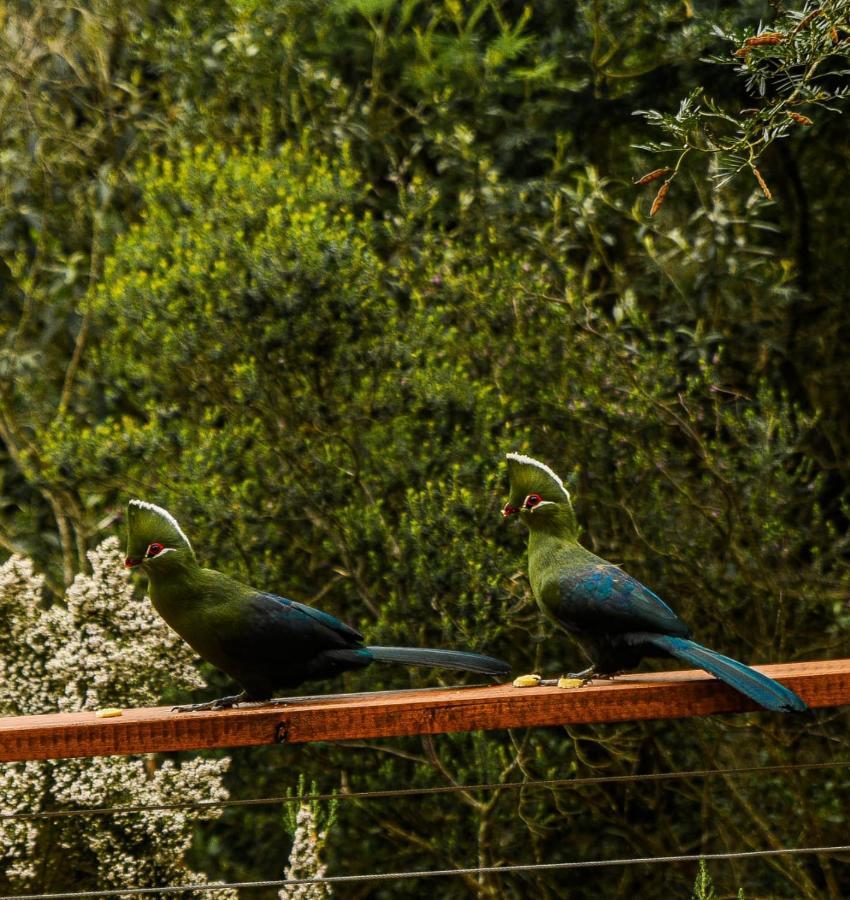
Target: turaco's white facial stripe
column 539, row 505
column 163, row 513
column 529, row 461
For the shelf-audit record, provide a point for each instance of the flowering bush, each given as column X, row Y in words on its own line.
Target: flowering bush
column 305, row 858
column 104, row 646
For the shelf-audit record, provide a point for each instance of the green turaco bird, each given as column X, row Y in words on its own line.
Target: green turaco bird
column 616, row 619
column 263, row 641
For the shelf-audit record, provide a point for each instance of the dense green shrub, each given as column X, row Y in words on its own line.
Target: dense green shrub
column 509, row 115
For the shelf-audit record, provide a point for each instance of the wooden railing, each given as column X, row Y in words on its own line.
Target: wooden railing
column 666, row 695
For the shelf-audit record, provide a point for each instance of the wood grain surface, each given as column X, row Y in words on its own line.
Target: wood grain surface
column 662, row 695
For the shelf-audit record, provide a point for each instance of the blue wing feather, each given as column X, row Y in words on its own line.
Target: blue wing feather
column 298, row 610
column 600, row 597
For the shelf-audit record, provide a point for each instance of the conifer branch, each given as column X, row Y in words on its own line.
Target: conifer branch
column 801, row 60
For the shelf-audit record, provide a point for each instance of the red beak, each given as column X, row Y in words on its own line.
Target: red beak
column 509, row 511
column 131, row 562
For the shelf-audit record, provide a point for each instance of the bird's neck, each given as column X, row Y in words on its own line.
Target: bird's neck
column 546, row 541
column 548, row 551
column 175, row 590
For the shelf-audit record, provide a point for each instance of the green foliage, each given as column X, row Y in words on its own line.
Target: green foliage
column 494, row 111
column 75, row 104
column 323, row 817
column 794, row 64
column 703, row 886
column 302, row 272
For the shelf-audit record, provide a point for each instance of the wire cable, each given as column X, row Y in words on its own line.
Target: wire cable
column 413, row 792
column 437, row 873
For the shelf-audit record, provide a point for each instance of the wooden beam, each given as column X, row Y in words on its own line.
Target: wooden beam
column 662, row 695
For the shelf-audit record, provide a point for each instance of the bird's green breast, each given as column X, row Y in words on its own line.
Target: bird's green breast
column 202, row 606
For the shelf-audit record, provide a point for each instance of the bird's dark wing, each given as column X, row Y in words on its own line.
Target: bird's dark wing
column 268, row 642
column 601, row 598
column 300, row 617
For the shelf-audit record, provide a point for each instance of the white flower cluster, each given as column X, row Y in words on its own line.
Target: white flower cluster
column 20, row 785
column 24, row 685
column 305, row 858
column 103, row 646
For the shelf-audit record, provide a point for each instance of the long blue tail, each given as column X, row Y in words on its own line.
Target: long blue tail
column 763, row 690
column 459, row 660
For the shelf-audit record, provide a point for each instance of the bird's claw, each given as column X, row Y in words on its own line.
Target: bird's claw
column 201, row 707
column 210, row 705
column 584, row 677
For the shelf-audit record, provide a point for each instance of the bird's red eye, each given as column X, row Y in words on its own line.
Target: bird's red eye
column 153, row 550
column 532, row 500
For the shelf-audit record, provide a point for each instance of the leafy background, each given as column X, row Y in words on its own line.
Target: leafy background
column 302, row 272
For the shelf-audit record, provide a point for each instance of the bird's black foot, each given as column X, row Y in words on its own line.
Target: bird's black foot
column 220, row 703
column 610, row 676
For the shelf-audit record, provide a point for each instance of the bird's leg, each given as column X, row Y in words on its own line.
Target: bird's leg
column 584, row 676
column 220, row 703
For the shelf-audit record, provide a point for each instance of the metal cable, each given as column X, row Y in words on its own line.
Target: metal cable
column 437, row 873
column 412, row 792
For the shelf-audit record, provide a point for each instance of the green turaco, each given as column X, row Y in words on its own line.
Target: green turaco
column 616, row 619
column 263, row 641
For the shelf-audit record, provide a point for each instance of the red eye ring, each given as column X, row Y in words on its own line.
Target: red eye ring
column 532, row 500
column 153, row 550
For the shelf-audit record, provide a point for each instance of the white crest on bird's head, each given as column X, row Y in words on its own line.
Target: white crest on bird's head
column 530, row 461
column 162, row 513
column 539, row 497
